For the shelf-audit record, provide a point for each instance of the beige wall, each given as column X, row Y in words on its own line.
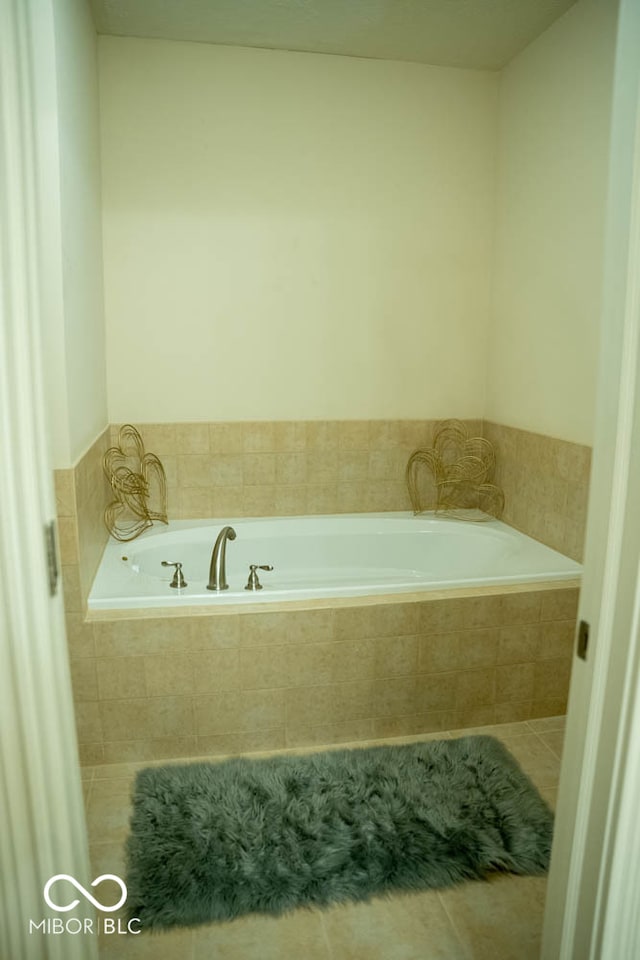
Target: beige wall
column 70, row 228
column 293, row 236
column 552, row 182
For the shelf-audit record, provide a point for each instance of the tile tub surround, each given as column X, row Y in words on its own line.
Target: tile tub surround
column 152, row 687
column 82, row 493
column 283, row 468
column 546, row 486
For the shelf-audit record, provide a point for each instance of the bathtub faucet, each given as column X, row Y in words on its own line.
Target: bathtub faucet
column 217, row 571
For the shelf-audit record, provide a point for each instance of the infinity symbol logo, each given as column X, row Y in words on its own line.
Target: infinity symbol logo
column 85, row 893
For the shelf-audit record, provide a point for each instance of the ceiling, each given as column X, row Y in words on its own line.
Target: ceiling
column 480, row 34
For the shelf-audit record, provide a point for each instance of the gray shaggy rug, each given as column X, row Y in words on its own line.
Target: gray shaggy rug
column 211, row 841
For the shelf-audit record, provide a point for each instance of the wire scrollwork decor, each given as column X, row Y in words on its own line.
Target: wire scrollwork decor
column 139, row 485
column 454, row 476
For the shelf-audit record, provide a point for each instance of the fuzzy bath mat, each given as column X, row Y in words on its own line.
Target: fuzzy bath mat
column 211, row 841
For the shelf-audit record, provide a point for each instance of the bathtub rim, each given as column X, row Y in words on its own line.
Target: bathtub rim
column 94, row 615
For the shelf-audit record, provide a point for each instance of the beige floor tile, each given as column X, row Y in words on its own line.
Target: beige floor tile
column 407, row 927
column 536, row 759
column 172, row 945
column 113, row 788
column 554, row 739
column 550, row 794
column 543, row 724
column 500, row 919
column 499, row 730
column 297, row 934
column 108, row 818
column 107, row 858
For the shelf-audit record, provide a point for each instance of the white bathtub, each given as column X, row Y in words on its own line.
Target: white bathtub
column 322, row 556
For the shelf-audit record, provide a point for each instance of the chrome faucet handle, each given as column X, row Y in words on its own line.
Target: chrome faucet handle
column 178, row 578
column 253, row 583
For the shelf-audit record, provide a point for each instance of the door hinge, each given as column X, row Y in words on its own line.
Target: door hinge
column 583, row 639
column 52, row 557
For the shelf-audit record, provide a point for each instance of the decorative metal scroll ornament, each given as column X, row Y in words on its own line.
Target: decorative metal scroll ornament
column 454, row 476
column 139, row 486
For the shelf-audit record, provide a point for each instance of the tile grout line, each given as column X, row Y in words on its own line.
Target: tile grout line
column 327, row 938
column 453, row 926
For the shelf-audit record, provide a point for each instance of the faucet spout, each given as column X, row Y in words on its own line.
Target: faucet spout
column 217, row 568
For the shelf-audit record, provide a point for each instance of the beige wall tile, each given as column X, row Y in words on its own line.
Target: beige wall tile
column 258, row 501
column 299, row 626
column 351, row 497
column 194, row 503
column 121, row 638
column 515, row 682
column 325, row 733
column 147, row 719
column 394, row 697
column 519, row 644
column 285, row 666
column 225, row 438
column 548, row 707
column 65, row 493
column 227, row 470
column 239, row 711
column 167, row 676
column 91, row 753
column 442, row 616
column 211, row 633
column 68, row 540
column 475, row 715
column 290, row 499
column 387, row 464
column 356, row 700
column 435, row 693
column 306, row 706
column 71, row 588
column 395, row 656
column 160, row 748
column 478, row 648
column 321, row 497
column 353, row 465
column 556, row 640
column 322, row 435
column 80, row 642
column 439, row 653
column 289, row 435
column 290, row 468
column 227, row 501
column 258, row 437
column 192, row 438
column 511, row 712
column 195, row 470
column 259, row 468
column 215, row 670
column 552, row 680
column 520, row 608
column 88, row 722
column 377, row 620
column 83, row 680
column 475, row 688
column 234, row 743
column 121, row 678
column 559, row 604
column 159, row 438
column 353, row 435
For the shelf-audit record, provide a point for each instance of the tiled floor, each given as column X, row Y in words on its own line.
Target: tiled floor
column 497, row 920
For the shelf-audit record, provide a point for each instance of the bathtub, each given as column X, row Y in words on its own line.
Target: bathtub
column 322, row 556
